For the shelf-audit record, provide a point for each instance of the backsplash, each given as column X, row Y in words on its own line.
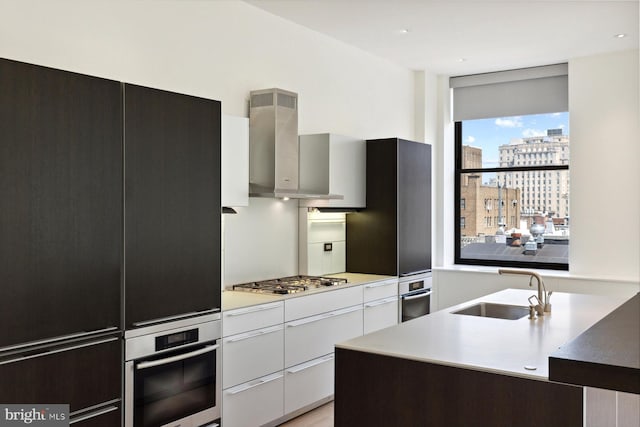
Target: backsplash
column 261, row 241
column 322, row 242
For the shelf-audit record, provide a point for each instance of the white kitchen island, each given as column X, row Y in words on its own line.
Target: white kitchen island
column 453, row 369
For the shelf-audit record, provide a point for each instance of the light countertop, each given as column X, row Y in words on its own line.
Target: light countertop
column 238, row 299
column 489, row 344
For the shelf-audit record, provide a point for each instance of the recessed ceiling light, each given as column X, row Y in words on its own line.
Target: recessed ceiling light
column 620, row 36
column 404, row 31
column 462, row 59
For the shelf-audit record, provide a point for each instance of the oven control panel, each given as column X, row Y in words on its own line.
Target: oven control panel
column 176, row 339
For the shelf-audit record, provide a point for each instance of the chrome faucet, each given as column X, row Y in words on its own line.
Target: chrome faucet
column 543, row 297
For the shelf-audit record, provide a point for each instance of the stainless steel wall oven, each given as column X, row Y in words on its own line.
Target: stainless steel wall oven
column 173, row 373
column 415, row 296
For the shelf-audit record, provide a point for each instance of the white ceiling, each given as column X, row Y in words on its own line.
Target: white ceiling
column 489, row 35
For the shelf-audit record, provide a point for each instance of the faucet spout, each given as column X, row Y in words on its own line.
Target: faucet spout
column 543, row 295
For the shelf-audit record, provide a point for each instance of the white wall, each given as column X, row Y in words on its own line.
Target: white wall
column 426, row 89
column 605, row 170
column 218, row 49
column 604, row 254
column 221, row 49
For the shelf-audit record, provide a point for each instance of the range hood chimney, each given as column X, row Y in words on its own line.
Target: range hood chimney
column 273, row 147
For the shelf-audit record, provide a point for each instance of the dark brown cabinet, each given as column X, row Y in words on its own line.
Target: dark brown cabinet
column 374, row 389
column 392, row 236
column 172, row 204
column 60, row 202
column 82, row 374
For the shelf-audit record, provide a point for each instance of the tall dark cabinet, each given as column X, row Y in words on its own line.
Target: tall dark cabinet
column 392, row 236
column 172, row 204
column 60, row 241
column 60, row 203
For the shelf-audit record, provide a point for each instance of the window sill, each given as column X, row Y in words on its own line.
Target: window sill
column 474, row 269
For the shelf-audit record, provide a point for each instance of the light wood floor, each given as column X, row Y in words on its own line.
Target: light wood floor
column 319, row 417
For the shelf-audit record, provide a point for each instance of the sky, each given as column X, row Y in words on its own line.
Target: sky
column 489, row 134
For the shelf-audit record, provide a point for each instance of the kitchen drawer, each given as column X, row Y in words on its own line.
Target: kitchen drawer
column 250, row 318
column 377, row 290
column 308, row 382
column 314, row 336
column 254, row 403
column 380, row 314
column 252, row 354
column 310, row 305
column 81, row 373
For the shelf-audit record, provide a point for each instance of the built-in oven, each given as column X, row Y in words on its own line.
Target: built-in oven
column 173, row 374
column 414, row 296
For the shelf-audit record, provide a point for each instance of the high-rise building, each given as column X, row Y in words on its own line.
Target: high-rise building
column 542, row 192
column 485, row 208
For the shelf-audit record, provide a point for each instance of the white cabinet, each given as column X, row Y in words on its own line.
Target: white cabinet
column 235, row 161
column 252, row 354
column 346, row 174
column 279, row 357
column 314, row 336
column 308, row 382
column 252, row 363
column 380, row 304
column 254, row 403
column 310, row 305
column 313, row 325
column 250, row 318
column 378, row 290
column 380, row 314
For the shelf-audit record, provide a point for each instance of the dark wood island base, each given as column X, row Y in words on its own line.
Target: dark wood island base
column 376, row 390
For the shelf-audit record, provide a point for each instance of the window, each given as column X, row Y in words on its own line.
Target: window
column 463, row 204
column 514, row 144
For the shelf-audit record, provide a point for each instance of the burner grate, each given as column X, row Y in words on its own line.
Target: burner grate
column 289, row 285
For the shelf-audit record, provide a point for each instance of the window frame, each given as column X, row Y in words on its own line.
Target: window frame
column 458, row 173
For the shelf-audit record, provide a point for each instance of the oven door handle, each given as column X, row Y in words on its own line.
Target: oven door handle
column 177, row 358
column 420, row 295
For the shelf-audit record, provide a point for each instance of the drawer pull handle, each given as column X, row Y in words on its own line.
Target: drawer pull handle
column 310, row 364
column 324, row 316
column 381, row 302
column 252, row 384
column 378, row 285
column 176, row 317
column 93, row 414
column 59, row 350
column 254, row 334
column 253, row 310
column 59, row 339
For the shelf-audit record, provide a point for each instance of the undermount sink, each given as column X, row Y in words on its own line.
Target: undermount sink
column 497, row 311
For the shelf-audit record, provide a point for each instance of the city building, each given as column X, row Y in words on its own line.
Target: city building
column 542, row 192
column 485, row 208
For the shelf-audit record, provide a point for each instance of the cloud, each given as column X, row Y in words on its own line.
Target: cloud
column 470, row 139
column 556, row 114
column 509, row 122
column 527, row 133
column 562, row 126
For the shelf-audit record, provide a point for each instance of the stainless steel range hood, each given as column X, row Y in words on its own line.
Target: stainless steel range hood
column 274, row 150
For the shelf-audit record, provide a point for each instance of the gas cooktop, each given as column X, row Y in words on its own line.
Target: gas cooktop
column 289, row 285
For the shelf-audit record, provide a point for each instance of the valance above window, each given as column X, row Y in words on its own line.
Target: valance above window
column 509, row 93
